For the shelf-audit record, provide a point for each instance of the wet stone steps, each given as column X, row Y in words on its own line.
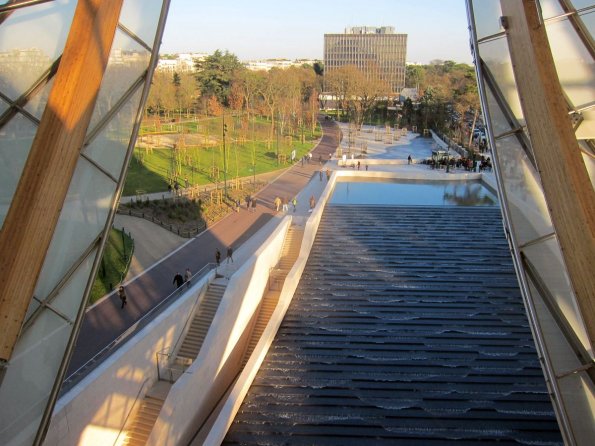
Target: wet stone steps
column 407, row 327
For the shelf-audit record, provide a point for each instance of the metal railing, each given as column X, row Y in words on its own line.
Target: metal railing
column 136, row 400
column 165, row 355
column 186, row 233
column 106, row 351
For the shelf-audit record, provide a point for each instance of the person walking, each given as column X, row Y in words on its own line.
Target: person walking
column 187, row 276
column 253, row 209
column 178, row 280
column 277, row 203
column 320, row 174
column 294, row 202
column 285, row 204
column 328, row 174
column 122, row 296
column 229, row 254
column 358, row 164
column 218, row 256
column 409, row 159
column 312, row 202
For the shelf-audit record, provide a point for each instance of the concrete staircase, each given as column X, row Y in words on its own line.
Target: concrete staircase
column 201, row 323
column 291, row 248
column 141, row 426
column 289, row 254
column 143, row 422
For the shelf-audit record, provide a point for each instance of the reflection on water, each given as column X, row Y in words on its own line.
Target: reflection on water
column 414, row 193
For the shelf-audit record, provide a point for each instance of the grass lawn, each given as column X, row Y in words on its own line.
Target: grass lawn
column 199, row 155
column 114, row 264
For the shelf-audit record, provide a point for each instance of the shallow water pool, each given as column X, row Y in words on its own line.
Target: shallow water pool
column 414, row 193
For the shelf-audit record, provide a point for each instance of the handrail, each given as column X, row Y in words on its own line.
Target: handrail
column 130, row 411
column 197, row 302
column 140, row 323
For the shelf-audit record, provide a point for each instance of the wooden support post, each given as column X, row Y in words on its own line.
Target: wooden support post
column 39, row 197
column 566, row 184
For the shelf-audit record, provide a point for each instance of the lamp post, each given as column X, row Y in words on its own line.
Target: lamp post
column 224, row 157
column 277, row 143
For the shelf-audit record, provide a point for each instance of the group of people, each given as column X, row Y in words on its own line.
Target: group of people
column 250, row 203
column 283, row 203
column 229, row 255
column 180, row 280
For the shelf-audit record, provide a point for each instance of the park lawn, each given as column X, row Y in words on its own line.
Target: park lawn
column 151, row 171
column 114, row 264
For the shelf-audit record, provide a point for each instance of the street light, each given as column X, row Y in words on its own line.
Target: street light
column 224, row 158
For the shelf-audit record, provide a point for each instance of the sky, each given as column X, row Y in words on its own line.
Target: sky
column 292, row 29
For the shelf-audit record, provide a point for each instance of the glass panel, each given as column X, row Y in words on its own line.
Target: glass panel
column 15, row 143
column 589, row 21
column 550, row 8
column 141, row 17
column 580, row 391
column 487, row 17
column 496, row 56
column 573, row 63
column 108, row 148
column 82, row 219
column 523, row 190
column 580, row 4
column 26, row 386
column 547, row 259
column 3, row 106
column 30, row 40
column 126, row 64
column 500, row 124
column 590, row 165
column 36, row 105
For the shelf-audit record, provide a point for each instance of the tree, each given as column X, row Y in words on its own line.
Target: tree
column 318, row 68
column 161, row 96
column 215, row 73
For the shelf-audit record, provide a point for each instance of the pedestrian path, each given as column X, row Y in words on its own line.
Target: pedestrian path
column 105, row 321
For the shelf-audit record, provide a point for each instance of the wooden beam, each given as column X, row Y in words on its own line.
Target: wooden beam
column 566, row 184
column 41, row 191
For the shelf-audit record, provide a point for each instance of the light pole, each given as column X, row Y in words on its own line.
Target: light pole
column 224, row 157
column 277, row 143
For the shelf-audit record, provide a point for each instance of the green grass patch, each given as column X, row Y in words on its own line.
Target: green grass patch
column 251, row 148
column 114, row 264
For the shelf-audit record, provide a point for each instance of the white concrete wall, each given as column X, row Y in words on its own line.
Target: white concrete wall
column 238, row 392
column 414, row 174
column 195, row 394
column 94, row 411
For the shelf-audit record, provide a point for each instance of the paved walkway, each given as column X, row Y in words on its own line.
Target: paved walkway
column 151, row 242
column 105, row 321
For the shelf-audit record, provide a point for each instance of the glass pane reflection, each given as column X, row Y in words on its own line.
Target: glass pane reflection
column 141, row 17
column 82, row 219
column 35, row 362
column 15, row 143
column 31, row 39
column 108, row 149
column 127, row 62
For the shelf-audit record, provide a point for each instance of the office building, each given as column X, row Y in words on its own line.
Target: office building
column 379, row 53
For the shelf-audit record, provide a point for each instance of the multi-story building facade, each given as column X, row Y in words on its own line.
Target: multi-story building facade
column 378, row 52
